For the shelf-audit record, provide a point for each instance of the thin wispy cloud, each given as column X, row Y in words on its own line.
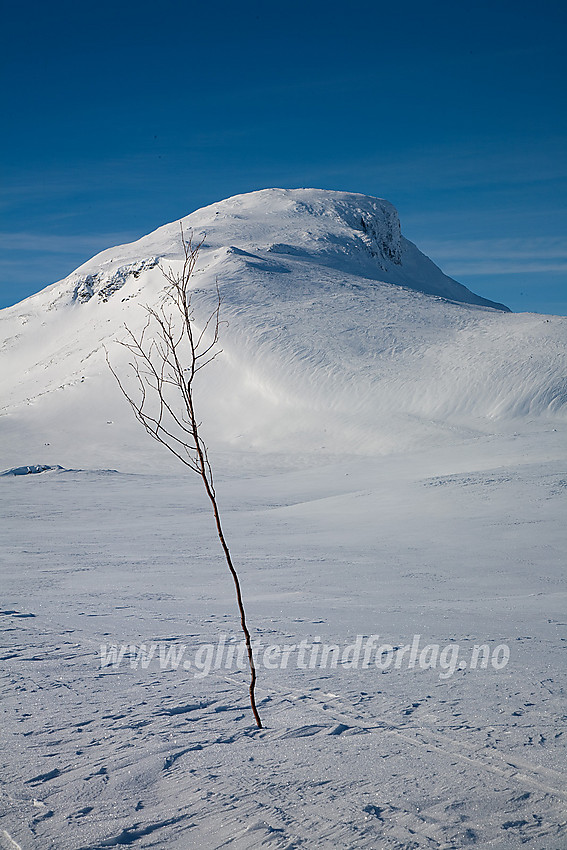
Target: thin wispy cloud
column 61, row 244
column 540, row 247
column 495, row 267
column 499, row 256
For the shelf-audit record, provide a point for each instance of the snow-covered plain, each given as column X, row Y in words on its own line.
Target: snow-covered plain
column 389, row 453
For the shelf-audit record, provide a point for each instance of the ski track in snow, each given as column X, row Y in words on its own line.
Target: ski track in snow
column 115, row 761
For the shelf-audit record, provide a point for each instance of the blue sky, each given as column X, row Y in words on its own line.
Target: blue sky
column 122, row 116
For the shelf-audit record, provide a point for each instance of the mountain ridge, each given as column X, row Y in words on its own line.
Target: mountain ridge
column 354, row 232
column 341, row 336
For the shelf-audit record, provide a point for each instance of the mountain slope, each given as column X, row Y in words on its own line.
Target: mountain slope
column 341, row 336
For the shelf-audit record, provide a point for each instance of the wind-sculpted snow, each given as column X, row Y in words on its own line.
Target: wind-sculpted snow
column 34, row 469
column 340, row 336
column 459, row 547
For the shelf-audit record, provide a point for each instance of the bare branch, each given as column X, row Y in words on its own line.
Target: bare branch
column 167, row 354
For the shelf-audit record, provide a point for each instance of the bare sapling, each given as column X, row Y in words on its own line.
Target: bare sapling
column 166, row 357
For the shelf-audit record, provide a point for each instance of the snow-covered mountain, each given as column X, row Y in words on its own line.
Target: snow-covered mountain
column 341, row 336
column 441, row 546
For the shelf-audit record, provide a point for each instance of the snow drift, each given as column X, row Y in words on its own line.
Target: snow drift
column 341, row 337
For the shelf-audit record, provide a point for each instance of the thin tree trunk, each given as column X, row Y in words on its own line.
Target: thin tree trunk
column 160, row 371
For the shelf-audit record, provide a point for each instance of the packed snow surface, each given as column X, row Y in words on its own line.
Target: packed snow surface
column 389, row 451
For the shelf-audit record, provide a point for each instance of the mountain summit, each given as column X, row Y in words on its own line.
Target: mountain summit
column 341, row 336
column 348, row 232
